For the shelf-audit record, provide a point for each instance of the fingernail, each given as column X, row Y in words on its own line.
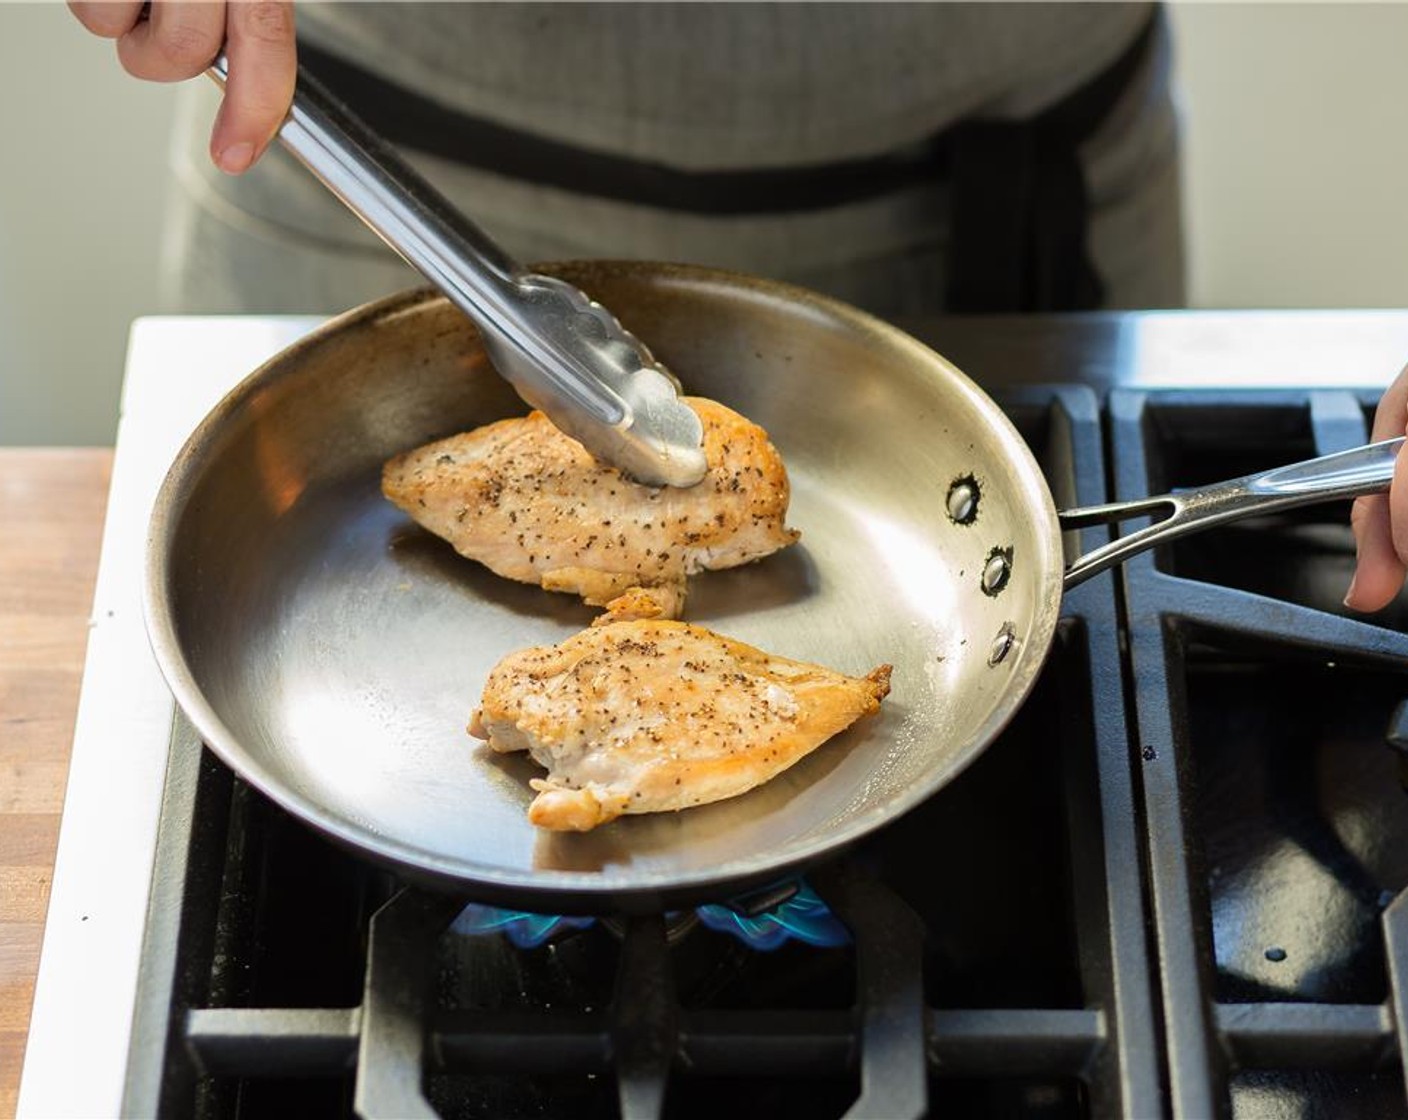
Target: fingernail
column 236, row 158
column 1348, row 595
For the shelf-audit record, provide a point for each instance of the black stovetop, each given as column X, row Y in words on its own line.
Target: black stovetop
column 1167, row 888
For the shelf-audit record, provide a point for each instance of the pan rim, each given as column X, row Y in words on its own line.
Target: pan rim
column 554, row 886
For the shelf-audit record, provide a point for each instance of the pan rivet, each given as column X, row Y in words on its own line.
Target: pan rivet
column 1002, row 644
column 997, row 570
column 963, row 500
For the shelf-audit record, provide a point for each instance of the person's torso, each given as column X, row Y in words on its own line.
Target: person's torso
column 717, row 86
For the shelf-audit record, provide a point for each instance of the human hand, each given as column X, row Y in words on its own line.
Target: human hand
column 1381, row 520
column 171, row 40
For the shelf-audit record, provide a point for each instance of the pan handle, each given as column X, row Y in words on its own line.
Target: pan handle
column 1346, row 474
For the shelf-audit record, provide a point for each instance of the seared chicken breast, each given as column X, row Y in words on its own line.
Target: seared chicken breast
column 531, row 504
column 650, row 715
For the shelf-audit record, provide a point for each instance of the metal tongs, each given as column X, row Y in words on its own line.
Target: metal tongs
column 561, row 350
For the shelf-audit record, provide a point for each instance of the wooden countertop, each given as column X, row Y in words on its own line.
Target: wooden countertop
column 51, row 522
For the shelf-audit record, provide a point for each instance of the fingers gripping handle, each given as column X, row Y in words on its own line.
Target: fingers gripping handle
column 1346, row 474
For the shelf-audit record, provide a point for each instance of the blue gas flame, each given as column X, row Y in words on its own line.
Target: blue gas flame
column 524, row 930
column 803, row 917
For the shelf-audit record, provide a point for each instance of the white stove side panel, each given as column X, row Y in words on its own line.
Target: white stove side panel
column 177, row 369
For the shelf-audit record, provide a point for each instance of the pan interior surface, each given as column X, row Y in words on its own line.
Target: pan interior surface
column 332, row 651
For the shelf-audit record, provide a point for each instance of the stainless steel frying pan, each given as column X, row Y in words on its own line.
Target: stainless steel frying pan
column 331, row 652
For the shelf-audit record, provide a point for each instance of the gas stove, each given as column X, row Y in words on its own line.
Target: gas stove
column 1169, row 888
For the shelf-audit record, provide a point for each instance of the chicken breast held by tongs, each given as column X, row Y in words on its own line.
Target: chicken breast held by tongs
column 532, row 505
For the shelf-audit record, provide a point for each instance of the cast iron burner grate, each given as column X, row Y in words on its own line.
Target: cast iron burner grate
column 1277, row 828
column 996, row 964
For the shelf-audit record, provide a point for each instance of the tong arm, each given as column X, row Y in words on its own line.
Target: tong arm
column 421, row 225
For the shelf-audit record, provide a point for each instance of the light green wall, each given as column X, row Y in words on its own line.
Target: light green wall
column 82, row 177
column 1297, row 153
